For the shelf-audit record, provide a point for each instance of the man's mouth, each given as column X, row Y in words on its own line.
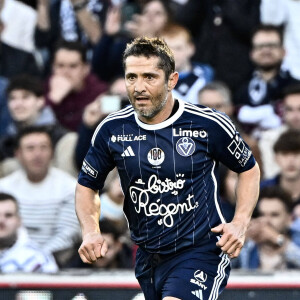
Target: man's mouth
column 141, row 98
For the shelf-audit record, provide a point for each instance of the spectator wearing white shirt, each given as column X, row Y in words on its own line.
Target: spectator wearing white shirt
column 17, row 252
column 45, row 195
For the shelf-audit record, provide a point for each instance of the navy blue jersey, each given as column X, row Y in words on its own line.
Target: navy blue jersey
column 168, row 172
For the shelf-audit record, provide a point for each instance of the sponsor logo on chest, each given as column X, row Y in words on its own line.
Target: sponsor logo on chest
column 128, row 138
column 189, row 133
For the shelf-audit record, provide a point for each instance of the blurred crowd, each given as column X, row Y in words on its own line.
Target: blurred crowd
column 61, row 73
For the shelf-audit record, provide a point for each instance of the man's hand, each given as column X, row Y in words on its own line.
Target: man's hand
column 93, row 247
column 60, row 87
column 92, row 113
column 233, row 237
column 113, row 20
column 140, row 26
column 261, row 232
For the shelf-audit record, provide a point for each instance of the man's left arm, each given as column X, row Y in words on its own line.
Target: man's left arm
column 233, row 233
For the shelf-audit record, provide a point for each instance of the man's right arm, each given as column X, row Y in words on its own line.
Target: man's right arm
column 88, row 212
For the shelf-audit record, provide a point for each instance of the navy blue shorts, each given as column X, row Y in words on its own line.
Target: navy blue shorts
column 191, row 274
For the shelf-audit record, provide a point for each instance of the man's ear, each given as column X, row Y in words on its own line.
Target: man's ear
column 173, row 79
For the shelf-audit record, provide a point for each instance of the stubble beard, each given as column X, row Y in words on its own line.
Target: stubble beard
column 269, row 67
column 151, row 113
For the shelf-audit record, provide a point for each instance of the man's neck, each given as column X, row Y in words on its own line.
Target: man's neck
column 28, row 122
column 36, row 178
column 268, row 75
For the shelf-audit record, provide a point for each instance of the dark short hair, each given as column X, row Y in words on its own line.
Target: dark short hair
column 32, row 130
column 292, row 89
column 152, row 47
column 268, row 28
column 108, row 226
column 277, row 192
column 167, row 7
column 72, row 46
column 5, row 197
column 27, row 83
column 288, row 142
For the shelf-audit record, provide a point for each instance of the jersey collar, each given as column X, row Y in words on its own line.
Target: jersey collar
column 165, row 123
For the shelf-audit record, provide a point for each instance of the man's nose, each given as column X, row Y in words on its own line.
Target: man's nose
column 139, row 86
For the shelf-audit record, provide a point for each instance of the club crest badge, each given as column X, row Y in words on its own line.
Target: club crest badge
column 156, row 156
column 185, row 146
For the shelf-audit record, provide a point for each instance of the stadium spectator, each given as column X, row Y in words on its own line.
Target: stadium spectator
column 45, row 194
column 95, row 112
column 285, row 13
column 18, row 252
column 18, row 51
column 221, row 30
column 70, row 20
column 269, row 246
column 26, row 105
column 287, row 156
column 71, row 86
column 217, row 95
column 192, row 75
column 291, row 120
column 122, row 23
column 259, row 97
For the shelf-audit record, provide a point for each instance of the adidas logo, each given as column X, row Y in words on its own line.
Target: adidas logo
column 198, row 294
column 128, row 152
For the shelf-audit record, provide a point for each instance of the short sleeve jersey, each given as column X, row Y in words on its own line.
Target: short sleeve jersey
column 168, row 172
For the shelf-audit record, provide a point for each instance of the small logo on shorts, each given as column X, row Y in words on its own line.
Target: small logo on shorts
column 198, row 294
column 185, row 146
column 199, row 278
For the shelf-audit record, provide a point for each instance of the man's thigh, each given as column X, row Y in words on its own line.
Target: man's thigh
column 196, row 279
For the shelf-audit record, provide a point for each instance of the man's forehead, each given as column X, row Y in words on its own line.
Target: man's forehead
column 67, row 55
column 270, row 203
column 292, row 99
column 266, row 35
column 20, row 91
column 142, row 61
column 7, row 206
column 35, row 138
